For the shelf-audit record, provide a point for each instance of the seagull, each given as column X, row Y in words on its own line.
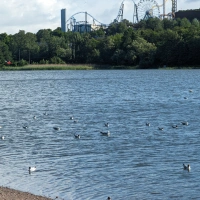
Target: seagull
column 174, row 126
column 190, row 91
column 2, row 137
column 25, row 127
column 71, row 118
column 147, row 124
column 32, row 169
column 186, row 167
column 34, row 117
column 185, row 123
column 108, row 198
column 106, row 124
column 77, row 136
column 45, row 113
column 160, row 128
column 105, row 133
column 56, row 128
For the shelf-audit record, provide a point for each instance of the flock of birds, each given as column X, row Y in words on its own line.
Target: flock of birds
column 77, row 136
column 56, row 128
column 185, row 123
column 104, row 133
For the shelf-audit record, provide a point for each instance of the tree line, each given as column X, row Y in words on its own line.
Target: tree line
column 149, row 44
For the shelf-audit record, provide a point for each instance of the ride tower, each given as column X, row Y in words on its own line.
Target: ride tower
column 63, row 20
column 174, row 7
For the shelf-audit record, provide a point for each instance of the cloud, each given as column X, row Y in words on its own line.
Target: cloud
column 33, row 15
column 190, row 1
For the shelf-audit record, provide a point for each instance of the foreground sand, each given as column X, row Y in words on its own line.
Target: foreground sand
column 10, row 194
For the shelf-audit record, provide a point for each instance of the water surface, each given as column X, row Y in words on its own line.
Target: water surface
column 135, row 162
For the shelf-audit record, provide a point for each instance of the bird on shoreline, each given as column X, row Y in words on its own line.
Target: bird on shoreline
column 186, row 167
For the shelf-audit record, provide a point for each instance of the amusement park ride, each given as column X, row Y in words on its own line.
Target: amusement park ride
column 142, row 10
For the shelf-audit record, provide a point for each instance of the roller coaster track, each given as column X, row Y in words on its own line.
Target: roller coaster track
column 121, row 11
column 72, row 17
column 159, row 5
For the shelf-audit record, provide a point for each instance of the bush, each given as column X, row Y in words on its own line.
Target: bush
column 44, row 61
column 56, row 60
column 22, row 63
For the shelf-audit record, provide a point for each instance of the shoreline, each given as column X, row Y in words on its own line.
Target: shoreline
column 12, row 194
column 33, row 67
column 87, row 67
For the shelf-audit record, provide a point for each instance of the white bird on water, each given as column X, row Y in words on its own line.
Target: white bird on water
column 2, row 137
column 186, row 167
column 107, row 133
column 185, row 123
column 32, row 169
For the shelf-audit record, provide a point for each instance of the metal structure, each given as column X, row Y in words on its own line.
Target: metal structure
column 83, row 26
column 143, row 10
column 63, row 20
column 174, row 6
column 119, row 17
column 147, row 9
column 170, row 15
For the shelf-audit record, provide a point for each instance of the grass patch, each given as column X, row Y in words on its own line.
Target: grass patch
column 48, row 67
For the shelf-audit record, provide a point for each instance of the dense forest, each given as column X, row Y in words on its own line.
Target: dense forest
column 148, row 44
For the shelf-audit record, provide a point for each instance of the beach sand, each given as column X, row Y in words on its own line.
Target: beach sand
column 11, row 194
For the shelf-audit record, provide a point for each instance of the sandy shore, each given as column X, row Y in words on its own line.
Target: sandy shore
column 11, row 194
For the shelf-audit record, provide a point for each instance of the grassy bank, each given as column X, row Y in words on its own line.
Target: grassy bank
column 83, row 67
column 64, row 67
column 48, row 67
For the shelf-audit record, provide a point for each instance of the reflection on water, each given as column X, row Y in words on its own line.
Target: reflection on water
column 134, row 162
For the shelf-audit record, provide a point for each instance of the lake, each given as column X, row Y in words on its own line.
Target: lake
column 134, row 162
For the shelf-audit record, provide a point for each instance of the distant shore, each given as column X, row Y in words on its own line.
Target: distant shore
column 65, row 67
column 11, row 194
column 84, row 67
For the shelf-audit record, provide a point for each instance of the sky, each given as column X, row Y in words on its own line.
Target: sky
column 34, row 15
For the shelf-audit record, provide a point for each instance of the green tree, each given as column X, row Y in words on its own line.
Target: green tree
column 195, row 22
column 185, row 23
column 5, row 54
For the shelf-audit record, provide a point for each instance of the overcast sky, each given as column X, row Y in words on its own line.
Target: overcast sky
column 33, row 15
